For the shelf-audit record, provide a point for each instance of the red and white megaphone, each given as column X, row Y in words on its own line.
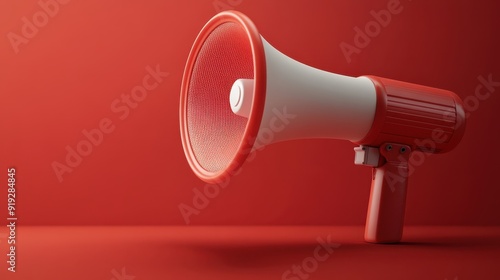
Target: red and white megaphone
column 236, row 87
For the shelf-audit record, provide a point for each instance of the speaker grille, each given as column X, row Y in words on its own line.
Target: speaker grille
column 215, row 132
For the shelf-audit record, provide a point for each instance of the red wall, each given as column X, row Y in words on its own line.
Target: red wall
column 71, row 74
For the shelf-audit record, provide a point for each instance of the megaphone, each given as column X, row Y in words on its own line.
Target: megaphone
column 239, row 93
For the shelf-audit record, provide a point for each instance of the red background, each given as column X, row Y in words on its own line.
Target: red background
column 66, row 77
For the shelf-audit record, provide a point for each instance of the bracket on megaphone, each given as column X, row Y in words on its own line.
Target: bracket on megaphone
column 386, row 208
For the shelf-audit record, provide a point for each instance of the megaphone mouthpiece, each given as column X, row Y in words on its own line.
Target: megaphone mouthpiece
column 241, row 97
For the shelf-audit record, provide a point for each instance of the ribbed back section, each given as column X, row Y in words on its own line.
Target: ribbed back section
column 424, row 118
column 417, row 112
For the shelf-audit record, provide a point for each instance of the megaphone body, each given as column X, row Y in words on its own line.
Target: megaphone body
column 236, row 87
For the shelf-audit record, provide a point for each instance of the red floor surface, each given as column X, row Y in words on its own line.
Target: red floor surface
column 295, row 253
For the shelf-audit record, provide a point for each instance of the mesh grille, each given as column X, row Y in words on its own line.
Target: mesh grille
column 215, row 132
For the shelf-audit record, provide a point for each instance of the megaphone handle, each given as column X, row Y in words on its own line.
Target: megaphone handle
column 386, row 208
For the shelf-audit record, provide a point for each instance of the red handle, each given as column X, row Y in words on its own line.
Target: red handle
column 386, row 208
